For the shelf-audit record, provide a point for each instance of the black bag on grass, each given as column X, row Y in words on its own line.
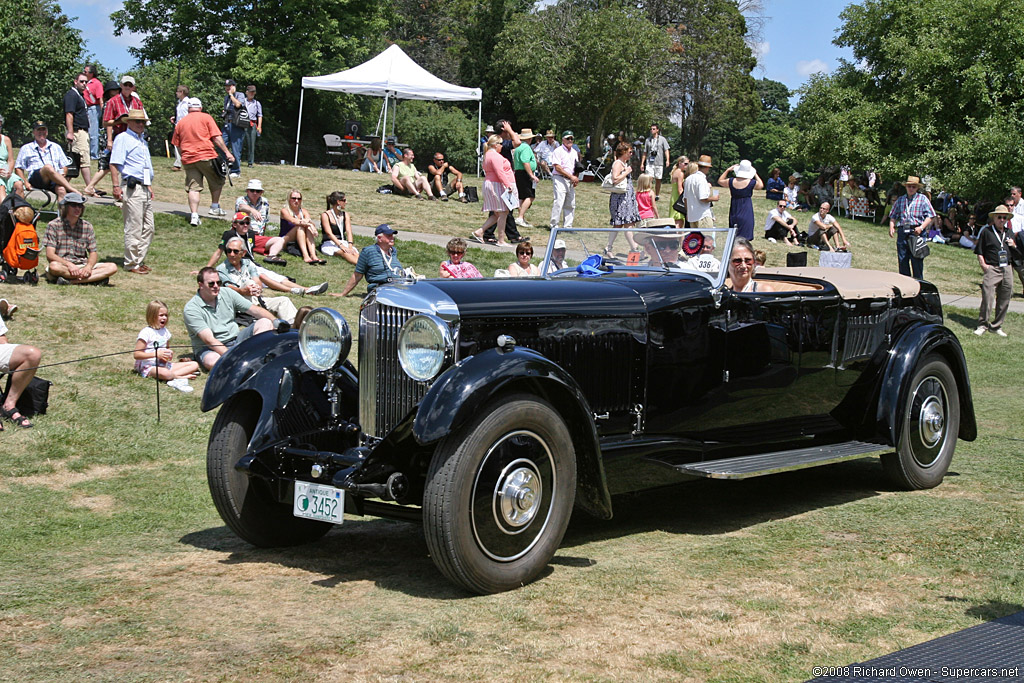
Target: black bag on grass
column 471, row 194
column 34, row 400
column 796, row 259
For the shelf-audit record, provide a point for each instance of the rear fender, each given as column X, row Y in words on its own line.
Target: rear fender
column 911, row 346
column 458, row 394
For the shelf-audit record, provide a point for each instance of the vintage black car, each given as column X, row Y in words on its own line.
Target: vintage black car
column 490, row 409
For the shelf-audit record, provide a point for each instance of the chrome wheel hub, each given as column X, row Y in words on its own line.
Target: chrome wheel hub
column 518, row 495
column 931, row 421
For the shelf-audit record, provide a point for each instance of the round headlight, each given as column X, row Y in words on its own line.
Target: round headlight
column 324, row 339
column 423, row 343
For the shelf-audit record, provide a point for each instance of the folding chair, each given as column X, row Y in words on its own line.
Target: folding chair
column 335, row 147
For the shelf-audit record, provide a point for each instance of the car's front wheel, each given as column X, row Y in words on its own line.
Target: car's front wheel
column 246, row 503
column 499, row 494
column 929, row 424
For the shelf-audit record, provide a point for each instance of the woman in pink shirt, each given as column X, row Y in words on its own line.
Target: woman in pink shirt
column 455, row 267
column 498, row 178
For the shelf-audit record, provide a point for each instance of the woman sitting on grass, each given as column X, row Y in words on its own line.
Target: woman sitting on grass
column 297, row 226
column 148, row 356
column 336, row 229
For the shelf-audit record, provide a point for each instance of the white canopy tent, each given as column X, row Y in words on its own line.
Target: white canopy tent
column 392, row 75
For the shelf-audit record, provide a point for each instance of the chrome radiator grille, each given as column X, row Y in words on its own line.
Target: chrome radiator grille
column 386, row 393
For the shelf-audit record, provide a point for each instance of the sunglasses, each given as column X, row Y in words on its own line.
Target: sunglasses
column 342, row 199
column 456, row 253
column 526, row 253
column 295, row 199
column 233, row 251
column 668, row 245
column 741, row 261
column 215, row 283
column 257, row 191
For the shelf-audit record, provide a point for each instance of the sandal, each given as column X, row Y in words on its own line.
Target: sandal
column 476, row 238
column 16, row 418
column 275, row 261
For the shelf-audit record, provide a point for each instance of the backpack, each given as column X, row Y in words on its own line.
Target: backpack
column 240, row 117
column 22, row 250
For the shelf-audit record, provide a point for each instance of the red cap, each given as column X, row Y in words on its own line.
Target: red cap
column 242, row 216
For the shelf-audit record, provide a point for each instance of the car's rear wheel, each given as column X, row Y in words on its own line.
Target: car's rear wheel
column 246, row 503
column 929, row 424
column 499, row 494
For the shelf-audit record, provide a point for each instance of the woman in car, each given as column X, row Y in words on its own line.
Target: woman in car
column 742, row 265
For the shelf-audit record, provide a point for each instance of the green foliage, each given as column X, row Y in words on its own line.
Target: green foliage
column 561, row 67
column 40, row 53
column 429, row 127
column 479, row 68
column 273, row 47
column 937, row 91
column 433, row 33
column 709, row 76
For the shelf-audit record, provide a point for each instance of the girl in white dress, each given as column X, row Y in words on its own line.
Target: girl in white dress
column 149, row 356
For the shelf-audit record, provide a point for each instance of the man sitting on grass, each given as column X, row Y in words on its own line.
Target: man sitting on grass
column 70, row 245
column 42, row 164
column 210, row 319
column 407, row 180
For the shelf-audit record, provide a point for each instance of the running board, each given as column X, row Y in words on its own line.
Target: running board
column 780, row 461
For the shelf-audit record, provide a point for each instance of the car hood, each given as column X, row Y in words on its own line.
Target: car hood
column 533, row 297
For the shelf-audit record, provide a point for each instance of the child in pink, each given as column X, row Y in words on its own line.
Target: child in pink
column 645, row 197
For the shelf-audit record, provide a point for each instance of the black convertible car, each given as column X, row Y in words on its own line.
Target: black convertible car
column 490, row 409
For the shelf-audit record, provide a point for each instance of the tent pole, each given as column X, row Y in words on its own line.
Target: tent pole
column 384, row 128
column 476, row 141
column 298, row 131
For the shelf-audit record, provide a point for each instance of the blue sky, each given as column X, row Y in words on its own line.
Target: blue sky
column 797, row 37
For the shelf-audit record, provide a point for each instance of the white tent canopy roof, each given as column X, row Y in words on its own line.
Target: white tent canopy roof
column 392, row 73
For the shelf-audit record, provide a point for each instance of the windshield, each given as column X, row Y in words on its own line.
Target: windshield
column 659, row 246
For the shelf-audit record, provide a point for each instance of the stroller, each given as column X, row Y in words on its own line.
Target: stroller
column 19, row 241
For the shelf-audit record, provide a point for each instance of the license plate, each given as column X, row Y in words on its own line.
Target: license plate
column 315, row 501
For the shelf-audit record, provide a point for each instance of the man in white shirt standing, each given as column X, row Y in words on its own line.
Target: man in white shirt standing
column 1016, row 226
column 180, row 112
column 656, row 157
column 700, row 196
column 543, row 151
column 564, row 181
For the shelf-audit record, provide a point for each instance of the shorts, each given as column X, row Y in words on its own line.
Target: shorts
column 81, row 143
column 450, row 188
column 103, row 163
column 819, row 237
column 705, row 223
column 36, row 181
column 145, row 366
column 524, row 185
column 259, row 243
column 330, row 248
column 656, row 171
column 6, row 351
column 243, row 334
column 194, row 174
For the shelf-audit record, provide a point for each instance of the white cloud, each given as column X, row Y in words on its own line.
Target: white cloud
column 807, row 67
column 760, row 50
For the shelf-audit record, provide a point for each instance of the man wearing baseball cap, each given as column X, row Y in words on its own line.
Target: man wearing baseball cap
column 564, row 181
column 131, row 169
column 41, row 164
column 118, row 107
column 378, row 262
column 196, row 136
column 910, row 215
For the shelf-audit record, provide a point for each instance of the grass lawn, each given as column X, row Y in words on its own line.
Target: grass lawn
column 115, row 566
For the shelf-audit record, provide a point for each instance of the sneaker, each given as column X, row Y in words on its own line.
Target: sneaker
column 657, row 198
column 181, row 384
column 216, row 211
column 234, row 175
column 773, row 240
column 981, row 330
column 319, row 289
column 194, row 221
column 1000, row 332
column 62, row 281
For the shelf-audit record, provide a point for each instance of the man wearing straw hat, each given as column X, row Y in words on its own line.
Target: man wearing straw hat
column 131, row 169
column 911, row 215
column 993, row 249
column 524, row 166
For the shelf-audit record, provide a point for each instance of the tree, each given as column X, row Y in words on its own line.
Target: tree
column 709, row 78
column 478, row 68
column 937, row 90
column 561, row 67
column 41, row 52
column 272, row 45
column 433, row 33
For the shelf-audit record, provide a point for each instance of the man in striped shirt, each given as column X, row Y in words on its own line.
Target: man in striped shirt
column 911, row 215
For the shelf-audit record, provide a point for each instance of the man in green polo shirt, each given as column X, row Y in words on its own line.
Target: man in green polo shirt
column 210, row 319
column 524, row 164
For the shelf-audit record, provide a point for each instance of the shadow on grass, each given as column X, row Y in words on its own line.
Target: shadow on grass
column 394, row 554
column 966, row 321
column 710, row 507
column 990, row 610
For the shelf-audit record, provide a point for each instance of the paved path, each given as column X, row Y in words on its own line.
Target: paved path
column 957, row 300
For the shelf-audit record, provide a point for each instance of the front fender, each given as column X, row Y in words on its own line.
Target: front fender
column 238, row 369
column 455, row 398
column 912, row 345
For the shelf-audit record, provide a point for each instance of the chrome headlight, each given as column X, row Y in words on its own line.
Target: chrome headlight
column 324, row 339
column 423, row 344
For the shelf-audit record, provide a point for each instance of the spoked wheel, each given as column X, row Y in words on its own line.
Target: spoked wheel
column 929, row 423
column 246, row 504
column 499, row 495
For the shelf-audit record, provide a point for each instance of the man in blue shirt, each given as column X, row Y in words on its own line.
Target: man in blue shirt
column 910, row 216
column 378, row 262
column 131, row 169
